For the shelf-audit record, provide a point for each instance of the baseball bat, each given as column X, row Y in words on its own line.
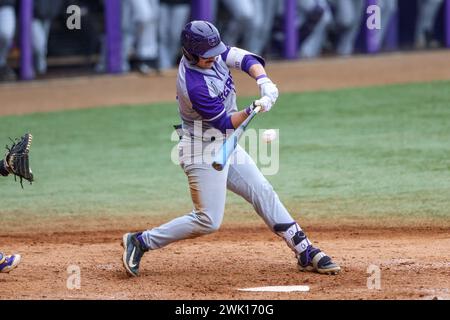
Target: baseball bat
column 230, row 144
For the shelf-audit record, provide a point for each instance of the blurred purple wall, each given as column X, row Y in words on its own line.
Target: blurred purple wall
column 447, row 23
column 290, row 30
column 113, row 9
column 26, row 56
column 371, row 35
column 201, row 10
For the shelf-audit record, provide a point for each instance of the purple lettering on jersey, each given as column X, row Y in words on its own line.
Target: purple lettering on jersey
column 229, row 87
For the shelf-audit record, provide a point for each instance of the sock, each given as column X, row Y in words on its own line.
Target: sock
column 141, row 242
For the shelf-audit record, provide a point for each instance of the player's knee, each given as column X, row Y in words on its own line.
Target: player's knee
column 208, row 224
column 208, row 228
column 327, row 17
column 214, row 227
column 346, row 21
column 143, row 19
column 256, row 24
column 5, row 36
column 244, row 18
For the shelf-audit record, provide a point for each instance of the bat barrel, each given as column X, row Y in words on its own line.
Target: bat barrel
column 226, row 150
column 218, row 166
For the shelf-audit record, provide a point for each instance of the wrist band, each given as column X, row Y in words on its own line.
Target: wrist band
column 248, row 110
column 261, row 76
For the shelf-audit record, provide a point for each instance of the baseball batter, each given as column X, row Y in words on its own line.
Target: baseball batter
column 207, row 105
column 15, row 162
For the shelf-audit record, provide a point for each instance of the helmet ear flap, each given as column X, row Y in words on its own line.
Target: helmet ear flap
column 192, row 58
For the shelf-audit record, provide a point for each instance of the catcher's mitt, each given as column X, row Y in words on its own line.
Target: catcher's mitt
column 17, row 159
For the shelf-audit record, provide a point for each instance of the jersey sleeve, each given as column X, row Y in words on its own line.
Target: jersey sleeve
column 241, row 59
column 210, row 108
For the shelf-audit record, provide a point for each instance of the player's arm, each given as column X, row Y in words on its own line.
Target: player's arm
column 212, row 110
column 254, row 66
column 233, row 121
column 255, row 69
column 238, row 117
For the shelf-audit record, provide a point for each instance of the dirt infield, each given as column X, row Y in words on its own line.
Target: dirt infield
column 414, row 264
column 414, row 260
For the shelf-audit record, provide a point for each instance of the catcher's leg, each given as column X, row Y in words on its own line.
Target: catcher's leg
column 245, row 179
column 3, row 170
column 9, row 263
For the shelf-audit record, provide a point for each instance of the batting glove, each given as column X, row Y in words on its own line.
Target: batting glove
column 265, row 103
column 268, row 88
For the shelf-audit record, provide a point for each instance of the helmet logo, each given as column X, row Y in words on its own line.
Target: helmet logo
column 213, row 41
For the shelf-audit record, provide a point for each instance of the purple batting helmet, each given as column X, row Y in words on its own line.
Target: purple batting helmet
column 201, row 39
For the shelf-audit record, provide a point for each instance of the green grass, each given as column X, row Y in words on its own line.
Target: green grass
column 374, row 152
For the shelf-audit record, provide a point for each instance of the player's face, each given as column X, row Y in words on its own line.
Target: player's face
column 206, row 63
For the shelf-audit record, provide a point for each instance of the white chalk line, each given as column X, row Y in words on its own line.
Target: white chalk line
column 277, row 289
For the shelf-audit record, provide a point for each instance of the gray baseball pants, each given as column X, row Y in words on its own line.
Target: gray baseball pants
column 426, row 17
column 208, row 189
column 40, row 30
column 7, row 28
column 348, row 17
column 172, row 19
column 388, row 9
column 312, row 45
column 145, row 20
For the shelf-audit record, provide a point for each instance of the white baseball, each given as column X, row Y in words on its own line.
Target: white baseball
column 269, row 135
